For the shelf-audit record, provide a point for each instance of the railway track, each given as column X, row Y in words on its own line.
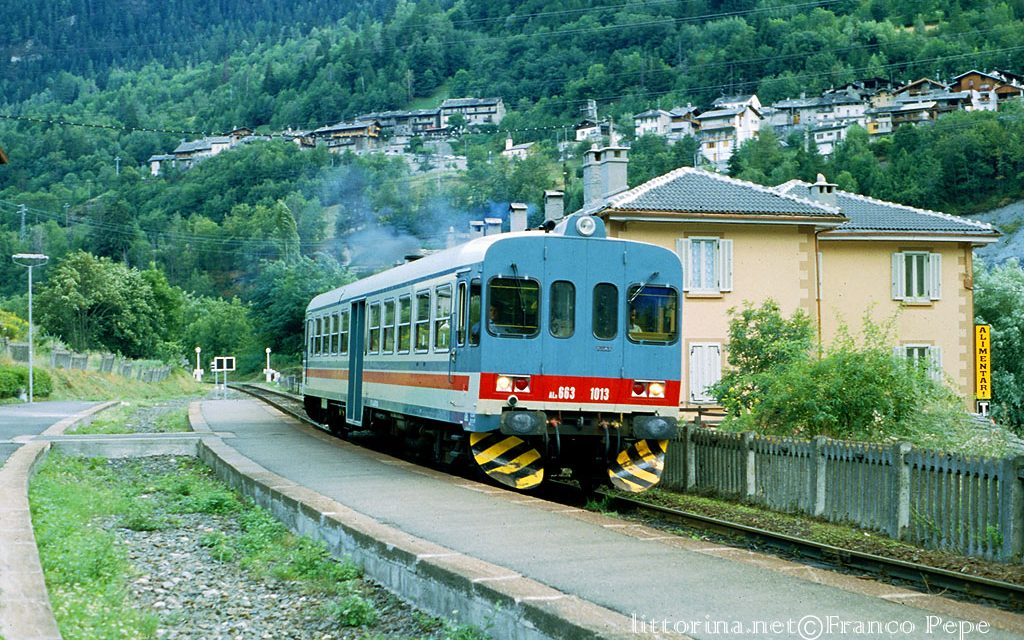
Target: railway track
column 920, row 577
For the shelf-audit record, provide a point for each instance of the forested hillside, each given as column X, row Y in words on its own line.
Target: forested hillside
column 89, row 89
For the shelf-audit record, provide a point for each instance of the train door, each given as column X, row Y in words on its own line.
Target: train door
column 464, row 358
column 356, row 336
column 601, row 302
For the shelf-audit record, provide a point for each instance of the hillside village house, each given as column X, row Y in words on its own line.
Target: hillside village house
column 654, row 122
column 517, row 151
column 476, row 111
column 835, row 255
column 1003, row 83
column 731, row 122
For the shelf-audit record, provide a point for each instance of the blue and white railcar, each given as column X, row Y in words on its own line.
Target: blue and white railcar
column 544, row 350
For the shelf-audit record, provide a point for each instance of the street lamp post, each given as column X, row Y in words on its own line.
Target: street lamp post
column 30, row 260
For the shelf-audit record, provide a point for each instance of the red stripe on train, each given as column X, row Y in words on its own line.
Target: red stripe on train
column 579, row 390
column 399, row 378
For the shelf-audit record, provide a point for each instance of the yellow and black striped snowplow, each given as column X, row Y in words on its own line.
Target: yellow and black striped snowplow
column 507, row 459
column 638, row 467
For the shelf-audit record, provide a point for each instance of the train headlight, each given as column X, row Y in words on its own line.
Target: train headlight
column 508, row 383
column 586, row 226
column 648, row 389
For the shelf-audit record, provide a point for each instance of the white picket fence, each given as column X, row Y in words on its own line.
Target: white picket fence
column 971, row 506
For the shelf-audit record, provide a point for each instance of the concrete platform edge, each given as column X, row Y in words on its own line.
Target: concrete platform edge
column 437, row 579
column 25, row 611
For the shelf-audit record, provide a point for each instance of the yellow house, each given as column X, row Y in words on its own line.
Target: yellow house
column 811, row 247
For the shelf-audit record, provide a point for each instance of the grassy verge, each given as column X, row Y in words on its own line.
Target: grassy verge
column 91, row 385
column 118, row 420
column 79, row 504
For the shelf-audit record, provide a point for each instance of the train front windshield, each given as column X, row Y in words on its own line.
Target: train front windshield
column 513, row 307
column 652, row 314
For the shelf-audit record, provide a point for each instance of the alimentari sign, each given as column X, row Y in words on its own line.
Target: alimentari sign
column 983, row 362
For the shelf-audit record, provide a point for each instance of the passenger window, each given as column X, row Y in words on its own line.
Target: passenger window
column 334, row 333
column 653, row 314
column 513, row 307
column 310, row 337
column 423, row 321
column 389, row 327
column 344, row 333
column 373, row 343
column 563, row 309
column 404, row 323
column 319, row 336
column 606, row 311
column 443, row 318
column 474, row 313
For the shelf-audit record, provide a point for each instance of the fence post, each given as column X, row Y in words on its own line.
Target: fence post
column 750, row 472
column 691, row 457
column 819, row 475
column 901, row 484
column 1011, row 507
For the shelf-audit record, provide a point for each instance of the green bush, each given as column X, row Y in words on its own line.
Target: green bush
column 857, row 392
column 14, row 379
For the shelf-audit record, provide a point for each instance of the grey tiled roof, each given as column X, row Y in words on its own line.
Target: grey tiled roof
column 871, row 215
column 689, row 190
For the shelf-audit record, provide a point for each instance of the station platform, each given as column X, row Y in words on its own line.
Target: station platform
column 660, row 584
column 20, row 422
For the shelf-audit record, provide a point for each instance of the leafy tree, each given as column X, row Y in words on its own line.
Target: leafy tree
column 281, row 292
column 95, row 303
column 998, row 299
column 222, row 328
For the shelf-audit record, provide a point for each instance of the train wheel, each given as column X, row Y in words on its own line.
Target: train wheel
column 507, row 459
column 639, row 466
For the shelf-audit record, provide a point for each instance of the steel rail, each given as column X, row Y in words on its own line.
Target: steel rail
column 922, row 577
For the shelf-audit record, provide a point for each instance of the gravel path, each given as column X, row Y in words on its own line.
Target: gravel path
column 196, row 595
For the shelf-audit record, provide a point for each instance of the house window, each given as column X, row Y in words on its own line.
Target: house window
column 705, row 370
column 916, row 276
column 927, row 357
column 707, row 264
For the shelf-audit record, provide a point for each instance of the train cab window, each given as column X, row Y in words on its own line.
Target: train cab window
column 388, row 328
column 423, row 321
column 319, row 348
column 563, row 309
column 474, row 313
column 373, row 328
column 404, row 323
column 513, row 307
column 606, row 311
column 442, row 317
column 344, row 333
column 653, row 314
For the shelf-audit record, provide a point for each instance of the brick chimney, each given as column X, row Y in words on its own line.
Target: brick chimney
column 604, row 174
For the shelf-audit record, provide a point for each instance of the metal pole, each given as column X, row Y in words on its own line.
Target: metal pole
column 30, row 363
